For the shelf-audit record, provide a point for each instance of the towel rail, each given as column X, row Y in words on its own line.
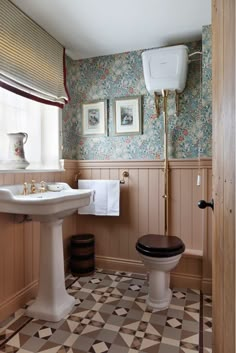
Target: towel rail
column 125, row 174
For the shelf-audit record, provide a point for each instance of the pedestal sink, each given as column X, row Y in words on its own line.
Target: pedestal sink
column 49, row 208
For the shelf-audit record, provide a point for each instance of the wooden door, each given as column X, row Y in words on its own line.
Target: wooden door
column 223, row 26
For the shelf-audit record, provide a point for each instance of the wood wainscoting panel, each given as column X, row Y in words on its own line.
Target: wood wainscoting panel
column 185, row 216
column 142, row 212
column 133, row 212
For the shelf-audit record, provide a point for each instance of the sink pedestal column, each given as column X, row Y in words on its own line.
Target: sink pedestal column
column 52, row 302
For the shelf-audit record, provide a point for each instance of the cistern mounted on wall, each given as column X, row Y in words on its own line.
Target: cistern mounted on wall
column 165, row 69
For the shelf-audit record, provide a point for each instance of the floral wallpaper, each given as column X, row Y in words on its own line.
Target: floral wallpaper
column 121, row 75
column 206, row 142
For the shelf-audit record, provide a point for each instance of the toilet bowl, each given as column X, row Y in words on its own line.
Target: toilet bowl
column 160, row 255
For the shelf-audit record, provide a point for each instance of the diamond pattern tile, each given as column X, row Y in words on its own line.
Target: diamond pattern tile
column 173, row 322
column 100, row 347
column 120, row 312
column 45, row 332
column 111, row 315
column 178, row 295
column 135, row 287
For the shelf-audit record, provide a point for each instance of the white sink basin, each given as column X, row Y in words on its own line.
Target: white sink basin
column 43, row 206
column 52, row 302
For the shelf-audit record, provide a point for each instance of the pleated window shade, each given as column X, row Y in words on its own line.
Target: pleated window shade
column 32, row 63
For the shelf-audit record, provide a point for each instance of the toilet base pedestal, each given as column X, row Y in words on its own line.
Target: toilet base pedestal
column 161, row 304
column 159, row 294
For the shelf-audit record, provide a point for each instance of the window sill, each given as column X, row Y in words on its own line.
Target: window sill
column 34, row 168
column 14, row 171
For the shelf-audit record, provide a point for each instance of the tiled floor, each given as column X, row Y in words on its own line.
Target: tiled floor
column 111, row 315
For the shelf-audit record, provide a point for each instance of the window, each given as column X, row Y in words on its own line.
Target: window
column 32, row 63
column 40, row 121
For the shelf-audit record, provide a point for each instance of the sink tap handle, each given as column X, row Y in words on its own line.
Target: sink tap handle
column 42, row 186
column 33, row 187
column 25, row 189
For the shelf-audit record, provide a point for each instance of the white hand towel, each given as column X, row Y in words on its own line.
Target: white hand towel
column 107, row 197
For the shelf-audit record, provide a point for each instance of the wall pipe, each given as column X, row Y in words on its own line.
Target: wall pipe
column 166, row 162
column 165, row 93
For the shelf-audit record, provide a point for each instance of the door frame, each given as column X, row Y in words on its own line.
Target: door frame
column 223, row 104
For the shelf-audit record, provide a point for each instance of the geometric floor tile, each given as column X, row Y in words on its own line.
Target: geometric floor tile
column 190, row 342
column 139, row 335
column 5, row 334
column 95, row 280
column 45, row 332
column 178, row 295
column 111, row 316
column 120, row 311
column 173, row 322
column 100, row 347
column 134, row 287
column 207, row 322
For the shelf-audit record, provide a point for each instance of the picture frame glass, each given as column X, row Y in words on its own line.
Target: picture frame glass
column 127, row 113
column 94, row 118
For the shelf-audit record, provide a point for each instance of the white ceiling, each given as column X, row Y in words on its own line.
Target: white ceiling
column 90, row 28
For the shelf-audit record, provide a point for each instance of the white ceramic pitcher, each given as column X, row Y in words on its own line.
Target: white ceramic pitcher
column 16, row 154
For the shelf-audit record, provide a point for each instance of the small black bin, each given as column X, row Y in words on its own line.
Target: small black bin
column 82, row 254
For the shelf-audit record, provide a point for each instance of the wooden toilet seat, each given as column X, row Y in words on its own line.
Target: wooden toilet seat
column 156, row 245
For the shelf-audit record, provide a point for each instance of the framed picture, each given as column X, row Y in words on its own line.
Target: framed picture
column 94, row 118
column 127, row 116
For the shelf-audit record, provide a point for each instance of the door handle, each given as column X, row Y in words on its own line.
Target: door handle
column 203, row 204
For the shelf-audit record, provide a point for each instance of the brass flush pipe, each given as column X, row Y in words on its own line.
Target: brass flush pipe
column 157, row 103
column 166, row 163
column 176, row 103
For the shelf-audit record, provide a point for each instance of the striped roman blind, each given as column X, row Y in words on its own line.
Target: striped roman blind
column 32, row 63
